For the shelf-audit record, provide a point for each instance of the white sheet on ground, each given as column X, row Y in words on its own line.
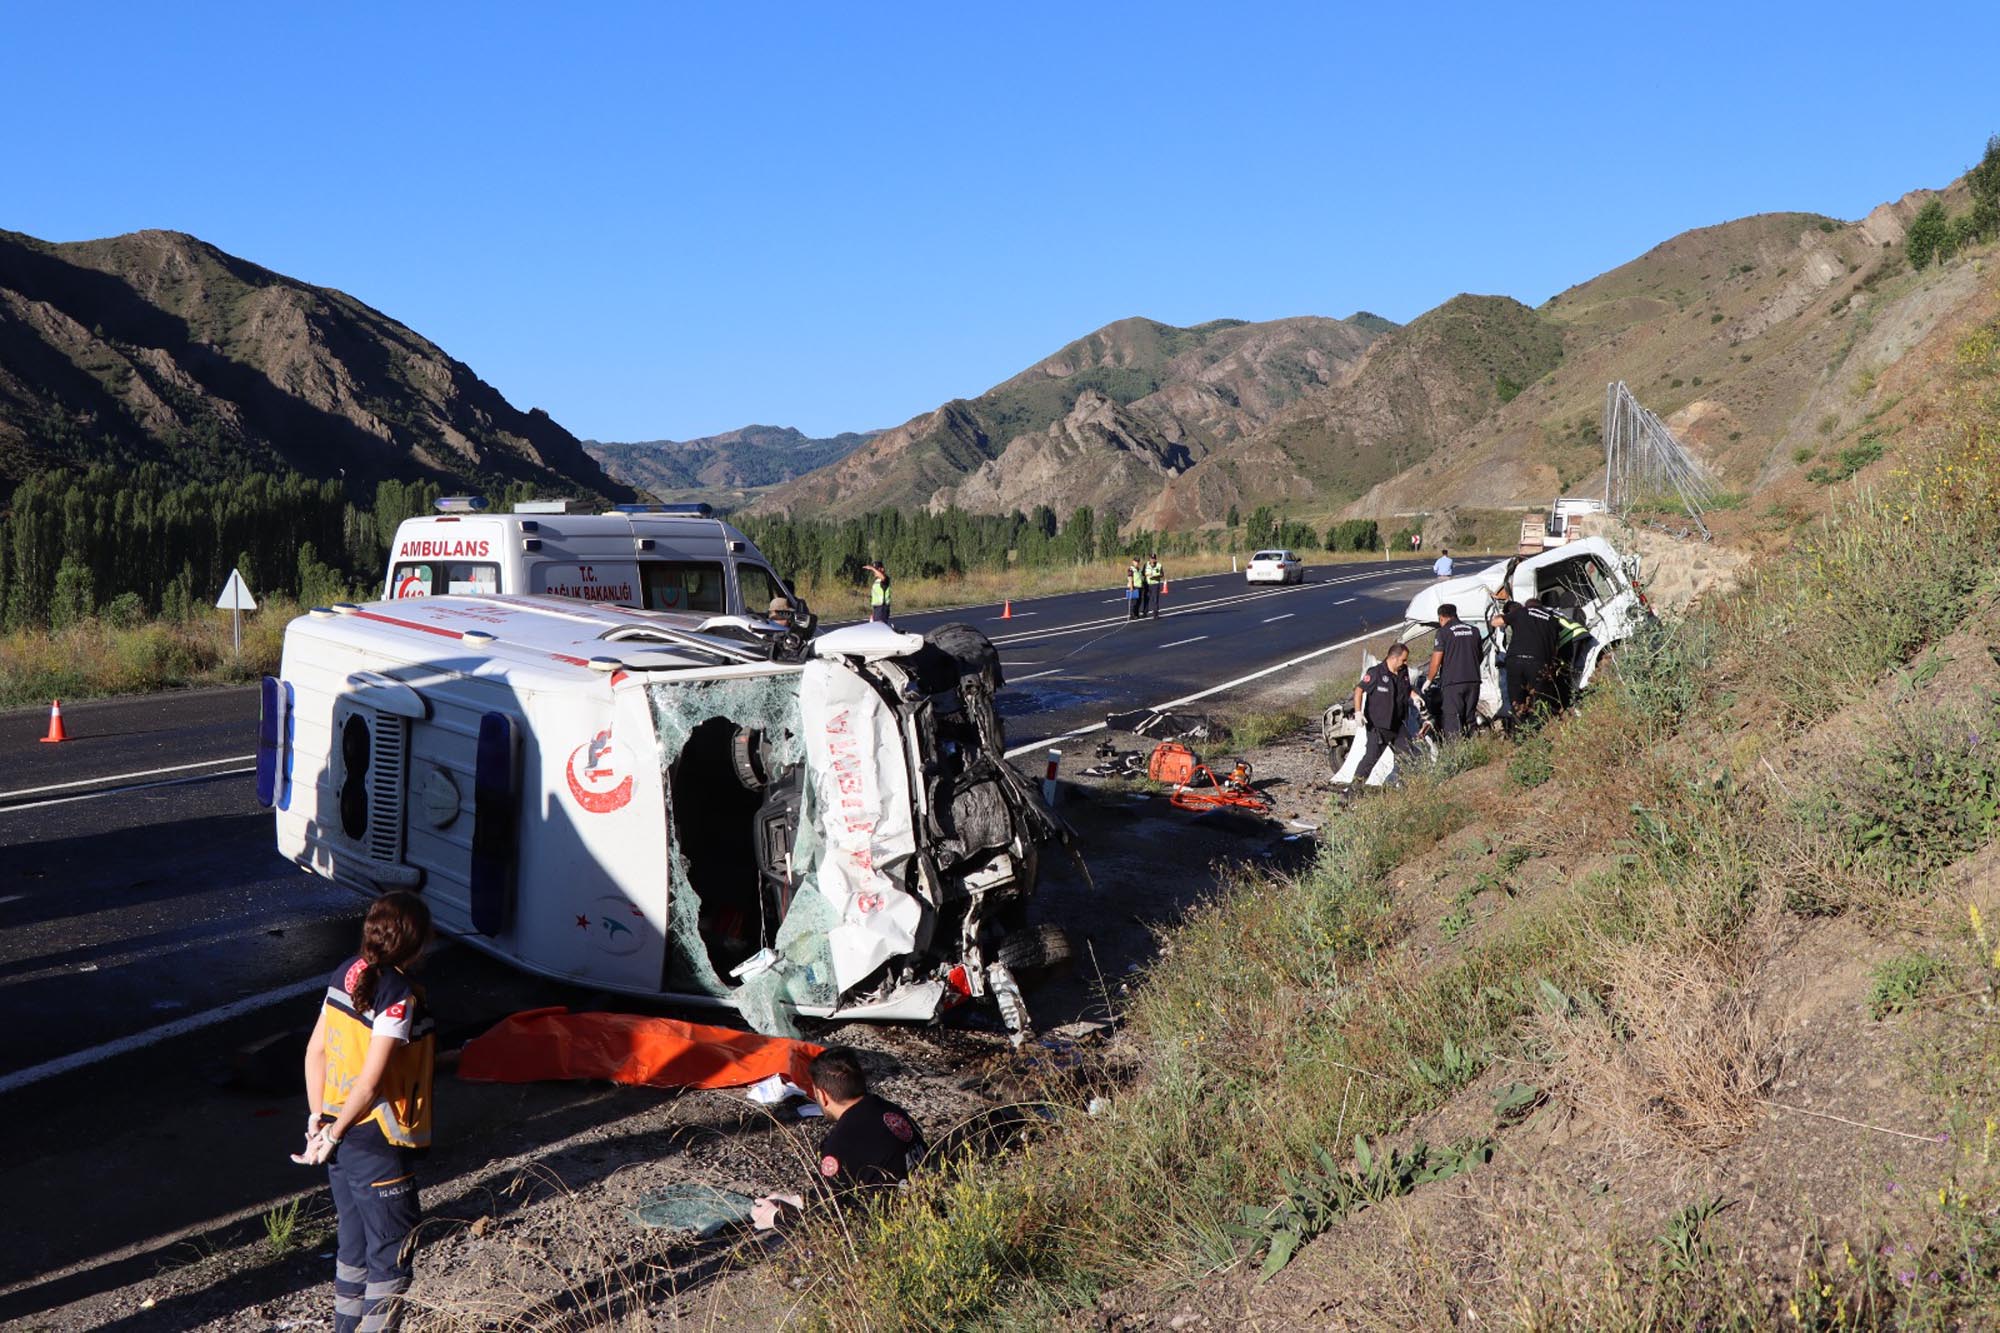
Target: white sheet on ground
column 861, row 781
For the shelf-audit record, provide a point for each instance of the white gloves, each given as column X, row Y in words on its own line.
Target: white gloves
column 319, row 1146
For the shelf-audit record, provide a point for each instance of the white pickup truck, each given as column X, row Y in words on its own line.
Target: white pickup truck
column 661, row 804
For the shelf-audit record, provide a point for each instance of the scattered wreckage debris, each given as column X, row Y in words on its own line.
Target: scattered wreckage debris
column 543, row 1044
column 1154, row 723
column 700, row 1211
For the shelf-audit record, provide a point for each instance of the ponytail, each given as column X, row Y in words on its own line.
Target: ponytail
column 394, row 932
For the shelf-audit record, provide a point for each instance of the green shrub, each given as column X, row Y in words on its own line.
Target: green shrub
column 1532, row 762
column 1802, row 454
column 1848, row 461
column 1898, row 983
column 1926, row 794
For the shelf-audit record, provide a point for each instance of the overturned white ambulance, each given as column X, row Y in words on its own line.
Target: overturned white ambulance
column 660, row 804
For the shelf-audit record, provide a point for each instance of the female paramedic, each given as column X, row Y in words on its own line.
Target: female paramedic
column 368, row 1088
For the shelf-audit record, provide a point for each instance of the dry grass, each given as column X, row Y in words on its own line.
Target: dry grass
column 96, row 657
column 1676, row 1056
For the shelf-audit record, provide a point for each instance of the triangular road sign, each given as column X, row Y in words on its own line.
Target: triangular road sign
column 236, row 594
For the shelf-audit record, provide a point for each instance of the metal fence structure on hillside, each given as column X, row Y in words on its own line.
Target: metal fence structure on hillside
column 1643, row 462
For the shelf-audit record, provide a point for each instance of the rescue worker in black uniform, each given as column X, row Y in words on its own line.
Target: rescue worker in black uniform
column 1455, row 666
column 1382, row 702
column 1572, row 643
column 1531, row 655
column 874, row 1144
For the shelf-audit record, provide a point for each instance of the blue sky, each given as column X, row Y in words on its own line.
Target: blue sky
column 669, row 220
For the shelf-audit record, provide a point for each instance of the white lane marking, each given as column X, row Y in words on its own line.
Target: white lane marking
column 1178, row 642
column 12, row 898
column 1229, row 600
column 1018, row 615
column 1345, row 600
column 120, row 777
column 1109, row 600
column 1052, row 671
column 1275, row 619
column 119, row 791
column 62, row 1064
column 1213, row 689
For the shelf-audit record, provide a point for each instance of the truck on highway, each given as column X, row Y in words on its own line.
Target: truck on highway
column 1595, row 586
column 662, row 804
column 660, row 557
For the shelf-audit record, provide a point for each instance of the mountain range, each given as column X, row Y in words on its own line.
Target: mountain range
column 159, row 348
column 1765, row 342
column 727, row 469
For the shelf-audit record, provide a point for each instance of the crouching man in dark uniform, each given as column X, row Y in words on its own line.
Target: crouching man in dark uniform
column 874, row 1144
column 1382, row 702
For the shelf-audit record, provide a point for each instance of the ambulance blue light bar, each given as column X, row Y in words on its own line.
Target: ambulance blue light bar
column 696, row 509
column 460, row 504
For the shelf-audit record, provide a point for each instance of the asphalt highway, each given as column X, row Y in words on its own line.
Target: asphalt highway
column 151, row 938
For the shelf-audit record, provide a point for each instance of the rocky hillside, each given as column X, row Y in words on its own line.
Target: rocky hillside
column 1767, row 344
column 1104, row 421
column 158, row 347
column 722, row 468
column 1416, row 388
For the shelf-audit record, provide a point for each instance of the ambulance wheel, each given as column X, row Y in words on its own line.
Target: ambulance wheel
column 1036, row 954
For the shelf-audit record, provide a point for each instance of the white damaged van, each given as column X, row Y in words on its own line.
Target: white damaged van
column 1596, row 586
column 659, row 804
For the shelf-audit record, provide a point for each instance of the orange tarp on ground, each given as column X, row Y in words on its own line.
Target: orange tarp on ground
column 628, row 1048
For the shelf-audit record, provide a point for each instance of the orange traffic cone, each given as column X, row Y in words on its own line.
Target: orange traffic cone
column 56, row 732
column 1007, row 609
column 1164, row 585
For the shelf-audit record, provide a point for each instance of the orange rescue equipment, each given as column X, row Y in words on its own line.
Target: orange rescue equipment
column 1173, row 764
column 629, row 1048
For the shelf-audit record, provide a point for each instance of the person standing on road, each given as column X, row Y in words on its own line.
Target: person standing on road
column 1531, row 655
column 874, row 1144
column 368, row 1097
column 1442, row 566
column 1454, row 666
column 1135, row 590
column 1382, row 703
column 1156, row 579
column 878, row 593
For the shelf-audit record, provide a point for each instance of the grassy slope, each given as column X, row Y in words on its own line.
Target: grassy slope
column 1638, row 889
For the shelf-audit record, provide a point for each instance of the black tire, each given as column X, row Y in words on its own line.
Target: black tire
column 1036, row 954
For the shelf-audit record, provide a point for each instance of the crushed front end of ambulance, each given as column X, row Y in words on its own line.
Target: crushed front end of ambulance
column 849, row 841
column 718, row 811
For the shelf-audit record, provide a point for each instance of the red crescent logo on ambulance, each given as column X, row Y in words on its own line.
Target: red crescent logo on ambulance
column 594, row 779
column 411, row 586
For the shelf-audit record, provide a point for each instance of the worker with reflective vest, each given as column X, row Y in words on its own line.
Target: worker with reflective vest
column 878, row 593
column 1156, row 578
column 1135, row 589
column 1572, row 643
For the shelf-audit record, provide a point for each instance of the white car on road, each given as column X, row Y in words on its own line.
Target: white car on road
column 1275, row 567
